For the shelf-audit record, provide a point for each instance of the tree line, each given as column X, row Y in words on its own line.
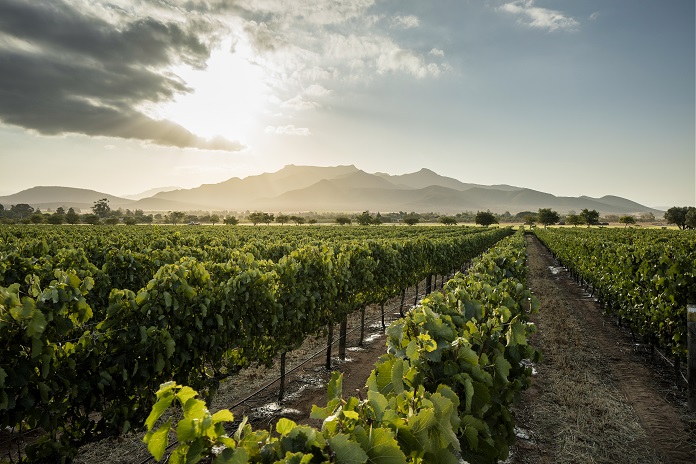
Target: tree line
column 101, row 213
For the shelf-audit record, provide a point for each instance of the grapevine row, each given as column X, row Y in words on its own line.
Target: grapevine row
column 443, row 391
column 646, row 276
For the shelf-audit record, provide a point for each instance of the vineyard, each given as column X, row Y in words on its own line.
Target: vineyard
column 94, row 320
column 104, row 329
column 454, row 366
column 645, row 276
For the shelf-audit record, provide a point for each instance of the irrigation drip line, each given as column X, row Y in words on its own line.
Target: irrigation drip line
column 323, row 350
column 657, row 350
column 17, row 437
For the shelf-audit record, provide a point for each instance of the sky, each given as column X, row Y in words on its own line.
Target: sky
column 582, row 97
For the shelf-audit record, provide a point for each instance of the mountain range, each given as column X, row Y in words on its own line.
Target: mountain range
column 337, row 189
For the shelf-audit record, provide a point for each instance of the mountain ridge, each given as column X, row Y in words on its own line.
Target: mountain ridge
column 334, row 188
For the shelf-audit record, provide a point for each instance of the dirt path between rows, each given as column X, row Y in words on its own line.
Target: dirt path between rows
column 594, row 397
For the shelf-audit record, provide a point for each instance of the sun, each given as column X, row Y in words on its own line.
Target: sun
column 228, row 97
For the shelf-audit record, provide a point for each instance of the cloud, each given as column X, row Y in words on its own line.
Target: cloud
column 299, row 104
column 436, row 52
column 66, row 70
column 406, row 61
column 539, row 18
column 288, row 130
column 594, row 16
column 405, row 22
column 262, row 38
column 316, row 90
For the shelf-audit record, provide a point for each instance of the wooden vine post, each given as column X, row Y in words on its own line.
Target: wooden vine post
column 281, row 392
column 691, row 354
column 329, row 342
column 343, row 335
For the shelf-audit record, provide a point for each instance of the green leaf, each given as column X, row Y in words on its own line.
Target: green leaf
column 37, row 325
column 158, row 440
column 468, row 355
column 502, row 366
column 347, row 451
column 384, row 449
column 195, row 409
column 397, row 378
column 335, row 388
column 516, row 334
column 185, row 394
column 223, row 415
column 232, row 456
column 159, row 363
column 284, row 426
column 3, row 376
column 187, row 429
column 379, row 403
column 169, row 346
column 157, row 409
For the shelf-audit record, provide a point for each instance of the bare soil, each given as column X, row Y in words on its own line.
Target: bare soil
column 596, row 397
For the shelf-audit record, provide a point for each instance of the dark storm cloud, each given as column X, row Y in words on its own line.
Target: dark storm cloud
column 62, row 71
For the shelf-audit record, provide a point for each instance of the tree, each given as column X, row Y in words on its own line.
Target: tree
column 378, row 219
column 21, row 211
column 691, row 218
column 485, row 218
column 60, row 211
column 231, row 221
column 628, row 219
column 677, row 215
column 530, row 219
column 524, row 215
column 282, row 219
column 214, row 218
column 411, row 219
column 37, row 218
column 101, row 208
column 130, row 220
column 574, row 220
column 71, row 217
column 364, row 219
column 176, row 216
column 647, row 217
column 91, row 219
column 111, row 221
column 297, row 220
column 448, row 220
column 56, row 218
column 343, row 220
column 590, row 218
column 312, row 221
column 547, row 216
column 258, row 216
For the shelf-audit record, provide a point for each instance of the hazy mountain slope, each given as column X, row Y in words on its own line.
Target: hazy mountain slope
column 618, row 202
column 339, row 188
column 149, row 193
column 426, row 178
column 237, row 193
column 68, row 197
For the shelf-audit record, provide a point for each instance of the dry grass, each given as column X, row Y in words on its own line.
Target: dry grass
column 577, row 413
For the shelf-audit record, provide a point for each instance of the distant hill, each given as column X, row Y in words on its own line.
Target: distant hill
column 149, row 193
column 67, row 197
column 337, row 188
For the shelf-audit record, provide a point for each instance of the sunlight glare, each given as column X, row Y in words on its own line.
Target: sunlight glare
column 227, row 99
